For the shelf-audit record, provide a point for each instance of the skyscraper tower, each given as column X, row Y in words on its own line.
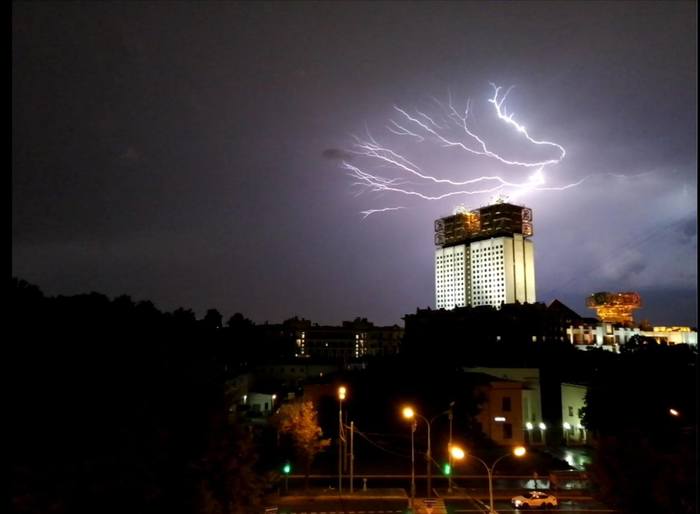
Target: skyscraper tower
column 484, row 257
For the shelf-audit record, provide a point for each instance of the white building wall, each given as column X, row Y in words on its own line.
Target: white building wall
column 530, row 294
column 518, row 267
column 452, row 267
column 674, row 335
column 488, row 281
column 487, row 272
column 509, row 271
column 572, row 401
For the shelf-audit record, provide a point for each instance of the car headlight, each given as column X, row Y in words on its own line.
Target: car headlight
column 517, row 503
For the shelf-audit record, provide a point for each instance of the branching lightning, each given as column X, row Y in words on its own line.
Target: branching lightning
column 369, row 212
column 449, row 130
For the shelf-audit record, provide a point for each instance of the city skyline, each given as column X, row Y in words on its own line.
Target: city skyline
column 192, row 154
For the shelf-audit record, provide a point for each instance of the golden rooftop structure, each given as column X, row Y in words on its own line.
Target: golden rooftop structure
column 615, row 307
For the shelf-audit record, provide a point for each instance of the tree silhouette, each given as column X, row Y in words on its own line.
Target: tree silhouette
column 213, row 319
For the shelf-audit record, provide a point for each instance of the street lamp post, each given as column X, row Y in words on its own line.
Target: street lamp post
column 459, row 454
column 449, row 454
column 409, row 413
column 341, row 396
column 413, row 465
column 543, row 435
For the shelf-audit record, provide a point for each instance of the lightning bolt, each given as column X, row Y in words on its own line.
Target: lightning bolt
column 449, row 130
column 369, row 212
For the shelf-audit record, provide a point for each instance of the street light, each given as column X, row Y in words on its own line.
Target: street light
column 542, row 428
column 341, row 396
column 449, row 445
column 458, row 453
column 409, row 413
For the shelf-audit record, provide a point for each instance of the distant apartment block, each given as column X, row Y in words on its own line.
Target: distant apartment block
column 352, row 340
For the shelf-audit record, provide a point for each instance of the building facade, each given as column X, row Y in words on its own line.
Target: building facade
column 512, row 405
column 573, row 400
column 352, row 341
column 588, row 334
column 485, row 257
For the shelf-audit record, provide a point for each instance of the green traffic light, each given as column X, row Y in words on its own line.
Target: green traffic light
column 447, row 469
column 287, row 468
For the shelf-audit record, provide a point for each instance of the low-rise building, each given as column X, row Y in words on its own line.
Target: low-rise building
column 573, row 400
column 512, row 405
column 589, row 333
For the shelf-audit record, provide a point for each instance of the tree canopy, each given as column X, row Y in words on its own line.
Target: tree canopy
column 299, row 420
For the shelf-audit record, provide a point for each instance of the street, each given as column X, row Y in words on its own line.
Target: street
column 338, row 506
column 579, row 506
column 377, row 505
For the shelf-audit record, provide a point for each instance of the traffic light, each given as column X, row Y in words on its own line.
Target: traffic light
column 287, row 468
column 446, row 469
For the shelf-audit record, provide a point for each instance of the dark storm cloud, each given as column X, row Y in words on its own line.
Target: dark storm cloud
column 688, row 230
column 336, row 154
column 188, row 152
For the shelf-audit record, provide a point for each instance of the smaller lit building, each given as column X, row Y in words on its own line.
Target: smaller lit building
column 587, row 334
column 615, row 325
column 501, row 416
column 512, row 405
column 261, row 403
column 674, row 335
column 573, row 399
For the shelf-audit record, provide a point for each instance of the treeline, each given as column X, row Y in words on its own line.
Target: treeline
column 116, row 406
column 642, row 406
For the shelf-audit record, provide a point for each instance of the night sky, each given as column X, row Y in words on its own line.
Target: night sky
column 192, row 154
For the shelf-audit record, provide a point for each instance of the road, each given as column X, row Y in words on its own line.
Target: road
column 579, row 506
column 328, row 506
column 301, row 505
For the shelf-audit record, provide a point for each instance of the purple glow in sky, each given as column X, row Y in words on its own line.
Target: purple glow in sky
column 191, row 153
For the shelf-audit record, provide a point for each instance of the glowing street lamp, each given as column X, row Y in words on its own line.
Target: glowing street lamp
column 542, row 428
column 409, row 413
column 342, row 391
column 567, row 431
column 459, row 454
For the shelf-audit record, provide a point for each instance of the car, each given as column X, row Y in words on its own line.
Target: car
column 534, row 499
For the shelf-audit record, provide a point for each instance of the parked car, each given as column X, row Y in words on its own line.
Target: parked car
column 535, row 499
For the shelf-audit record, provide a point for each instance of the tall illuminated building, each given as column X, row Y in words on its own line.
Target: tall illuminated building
column 484, row 257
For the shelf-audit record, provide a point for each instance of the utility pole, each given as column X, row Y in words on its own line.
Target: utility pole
column 352, row 455
column 341, row 438
column 449, row 452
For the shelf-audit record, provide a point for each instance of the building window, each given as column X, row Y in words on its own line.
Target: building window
column 571, row 410
column 507, row 431
column 505, row 404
